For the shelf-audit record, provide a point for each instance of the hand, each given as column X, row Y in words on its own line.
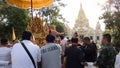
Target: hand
column 84, row 63
column 9, row 62
column 95, row 64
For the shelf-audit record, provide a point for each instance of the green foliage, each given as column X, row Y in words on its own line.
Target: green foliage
column 13, row 17
column 52, row 15
column 52, row 12
column 59, row 26
column 112, row 19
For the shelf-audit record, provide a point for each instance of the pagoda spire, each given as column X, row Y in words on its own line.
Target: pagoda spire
column 81, row 13
column 98, row 26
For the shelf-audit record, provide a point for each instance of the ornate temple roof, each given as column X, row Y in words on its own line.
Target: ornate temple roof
column 81, row 13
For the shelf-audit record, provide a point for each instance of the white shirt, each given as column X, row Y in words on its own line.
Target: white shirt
column 90, row 65
column 117, row 61
column 63, row 45
column 5, row 56
column 20, row 58
column 51, row 57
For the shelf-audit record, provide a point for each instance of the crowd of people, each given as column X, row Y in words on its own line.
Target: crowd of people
column 58, row 52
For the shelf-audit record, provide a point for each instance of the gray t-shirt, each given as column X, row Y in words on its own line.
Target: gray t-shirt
column 51, row 55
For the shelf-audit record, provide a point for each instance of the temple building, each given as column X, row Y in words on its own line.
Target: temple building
column 84, row 30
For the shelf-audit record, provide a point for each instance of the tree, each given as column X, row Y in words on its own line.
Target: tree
column 51, row 15
column 111, row 18
column 52, row 12
column 12, row 17
column 59, row 26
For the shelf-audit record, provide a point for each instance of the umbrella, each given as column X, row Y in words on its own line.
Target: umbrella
column 25, row 4
column 33, row 4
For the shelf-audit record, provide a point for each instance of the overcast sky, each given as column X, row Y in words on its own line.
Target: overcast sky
column 92, row 9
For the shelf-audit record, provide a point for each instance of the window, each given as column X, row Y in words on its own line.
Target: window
column 98, row 38
column 91, row 37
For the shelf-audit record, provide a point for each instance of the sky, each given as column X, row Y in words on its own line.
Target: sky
column 92, row 8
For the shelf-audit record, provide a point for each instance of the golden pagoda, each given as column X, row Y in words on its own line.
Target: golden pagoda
column 39, row 29
column 82, row 15
column 84, row 30
column 81, row 23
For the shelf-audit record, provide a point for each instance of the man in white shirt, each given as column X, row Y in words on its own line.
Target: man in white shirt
column 63, row 43
column 51, row 56
column 20, row 58
column 63, row 46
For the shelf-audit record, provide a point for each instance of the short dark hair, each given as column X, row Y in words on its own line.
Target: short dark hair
column 26, row 35
column 69, row 40
column 74, row 40
column 4, row 41
column 86, row 38
column 107, row 37
column 61, row 36
column 50, row 38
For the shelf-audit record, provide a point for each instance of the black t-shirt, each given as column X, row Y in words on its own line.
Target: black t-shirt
column 90, row 53
column 74, row 57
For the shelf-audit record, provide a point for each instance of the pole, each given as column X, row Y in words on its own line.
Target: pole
column 32, row 11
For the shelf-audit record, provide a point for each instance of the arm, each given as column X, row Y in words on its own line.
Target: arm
column 81, row 56
column 39, row 58
column 64, row 62
column 102, row 57
column 57, row 33
column 64, row 58
column 39, row 64
column 2, row 63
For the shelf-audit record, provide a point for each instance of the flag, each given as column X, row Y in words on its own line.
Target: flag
column 13, row 34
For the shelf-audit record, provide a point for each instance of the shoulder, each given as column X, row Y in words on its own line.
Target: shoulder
column 7, row 49
column 103, row 49
column 36, row 47
column 50, row 45
column 69, row 47
column 44, row 46
column 118, row 56
column 112, row 49
column 79, row 48
column 58, row 45
column 16, row 45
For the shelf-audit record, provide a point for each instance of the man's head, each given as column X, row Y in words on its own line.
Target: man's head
column 4, row 41
column 75, row 34
column 50, row 38
column 86, row 40
column 61, row 37
column 52, row 27
column 74, row 40
column 27, row 35
column 106, row 39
